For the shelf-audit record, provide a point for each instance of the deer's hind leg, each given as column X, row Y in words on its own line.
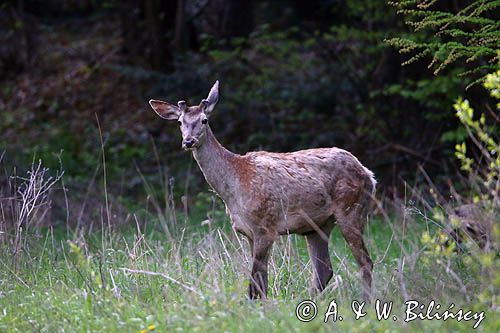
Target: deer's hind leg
column 317, row 246
column 351, row 224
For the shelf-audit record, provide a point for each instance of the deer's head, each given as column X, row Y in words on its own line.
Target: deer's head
column 193, row 120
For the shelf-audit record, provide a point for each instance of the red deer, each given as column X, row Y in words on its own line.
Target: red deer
column 267, row 194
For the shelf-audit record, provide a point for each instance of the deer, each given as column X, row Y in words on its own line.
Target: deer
column 269, row 194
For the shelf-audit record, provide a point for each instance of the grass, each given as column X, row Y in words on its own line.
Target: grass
column 153, row 275
column 105, row 282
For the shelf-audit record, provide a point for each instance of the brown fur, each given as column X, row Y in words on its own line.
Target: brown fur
column 305, row 192
column 270, row 194
column 244, row 169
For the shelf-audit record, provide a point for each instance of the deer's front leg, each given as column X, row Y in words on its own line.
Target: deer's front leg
column 261, row 247
column 317, row 246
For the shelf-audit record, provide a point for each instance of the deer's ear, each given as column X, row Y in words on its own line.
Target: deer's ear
column 165, row 110
column 213, row 96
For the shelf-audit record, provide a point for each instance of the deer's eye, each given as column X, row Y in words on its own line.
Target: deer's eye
column 204, row 121
column 179, row 122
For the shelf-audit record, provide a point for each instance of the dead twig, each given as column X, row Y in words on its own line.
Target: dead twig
column 165, row 276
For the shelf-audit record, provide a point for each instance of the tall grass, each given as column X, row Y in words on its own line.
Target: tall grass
column 191, row 274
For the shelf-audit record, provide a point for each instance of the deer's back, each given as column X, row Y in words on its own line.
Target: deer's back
column 313, row 182
column 310, row 166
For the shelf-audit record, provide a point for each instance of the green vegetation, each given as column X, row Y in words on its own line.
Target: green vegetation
column 189, row 272
column 106, row 226
column 487, row 140
column 127, row 280
column 468, row 31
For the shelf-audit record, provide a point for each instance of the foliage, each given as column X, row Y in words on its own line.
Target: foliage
column 486, row 140
column 470, row 33
column 307, row 78
column 472, row 239
column 296, row 75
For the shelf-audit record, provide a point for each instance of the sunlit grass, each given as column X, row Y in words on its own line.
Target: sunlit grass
column 165, row 269
column 129, row 280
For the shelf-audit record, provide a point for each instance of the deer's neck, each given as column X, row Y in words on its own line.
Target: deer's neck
column 218, row 166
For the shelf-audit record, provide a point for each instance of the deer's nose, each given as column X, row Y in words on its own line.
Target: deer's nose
column 188, row 143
